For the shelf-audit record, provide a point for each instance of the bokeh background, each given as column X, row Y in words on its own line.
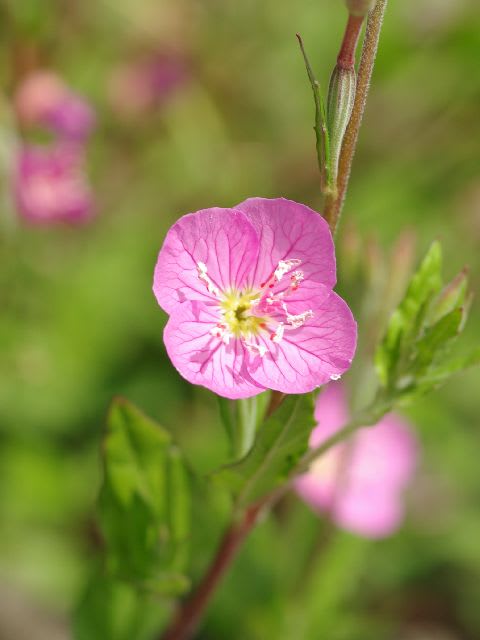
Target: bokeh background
column 79, row 323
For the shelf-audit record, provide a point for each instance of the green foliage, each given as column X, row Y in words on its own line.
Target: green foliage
column 113, row 610
column 79, row 323
column 321, row 128
column 415, row 354
column 241, row 419
column 280, row 443
column 144, row 502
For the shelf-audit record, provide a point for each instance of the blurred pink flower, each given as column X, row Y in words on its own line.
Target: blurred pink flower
column 249, row 293
column 146, row 84
column 44, row 99
column 50, row 184
column 361, row 481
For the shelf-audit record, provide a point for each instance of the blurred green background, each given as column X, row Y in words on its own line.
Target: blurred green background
column 79, row 323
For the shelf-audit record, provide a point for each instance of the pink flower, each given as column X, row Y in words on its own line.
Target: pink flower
column 249, row 293
column 44, row 99
column 361, row 481
column 147, row 83
column 50, row 184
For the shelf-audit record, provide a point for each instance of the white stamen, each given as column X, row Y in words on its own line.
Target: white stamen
column 296, row 278
column 278, row 333
column 205, row 278
column 296, row 321
column 335, row 376
column 256, row 349
column 284, row 266
column 222, row 332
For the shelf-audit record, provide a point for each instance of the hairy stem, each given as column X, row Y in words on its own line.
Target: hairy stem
column 186, row 619
column 334, row 202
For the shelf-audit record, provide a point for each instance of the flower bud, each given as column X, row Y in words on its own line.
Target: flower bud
column 341, row 96
column 359, row 7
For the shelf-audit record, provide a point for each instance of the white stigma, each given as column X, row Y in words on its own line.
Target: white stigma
column 335, row 376
column 205, row 278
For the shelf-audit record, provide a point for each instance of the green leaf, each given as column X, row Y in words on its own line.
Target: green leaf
column 453, row 295
column 449, row 368
column 321, row 126
column 144, row 502
column 436, row 342
column 415, row 355
column 280, row 443
column 113, row 610
column 406, row 322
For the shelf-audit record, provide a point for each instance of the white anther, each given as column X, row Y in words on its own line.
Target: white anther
column 278, row 333
column 205, row 278
column 222, row 332
column 284, row 266
column 296, row 321
column 335, row 376
column 296, row 278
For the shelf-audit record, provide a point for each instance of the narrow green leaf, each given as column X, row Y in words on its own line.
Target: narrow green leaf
column 144, row 502
column 452, row 296
column 321, row 127
column 452, row 367
column 436, row 341
column 281, row 441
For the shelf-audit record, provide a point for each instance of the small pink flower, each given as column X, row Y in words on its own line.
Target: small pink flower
column 361, row 481
column 44, row 99
column 50, row 184
column 146, row 84
column 249, row 293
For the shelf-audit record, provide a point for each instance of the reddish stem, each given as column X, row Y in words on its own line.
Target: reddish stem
column 185, row 622
column 346, row 56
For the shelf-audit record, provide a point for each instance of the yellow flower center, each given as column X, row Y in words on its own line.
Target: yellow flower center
column 236, row 308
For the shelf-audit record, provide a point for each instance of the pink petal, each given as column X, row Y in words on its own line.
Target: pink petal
column 360, row 482
column 288, row 230
column 319, row 491
column 204, row 359
column 372, row 512
column 222, row 239
column 331, row 413
column 309, row 356
column 387, row 451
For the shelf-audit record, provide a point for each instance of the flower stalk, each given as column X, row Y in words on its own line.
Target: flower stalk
column 186, row 620
column 334, row 201
column 188, row 616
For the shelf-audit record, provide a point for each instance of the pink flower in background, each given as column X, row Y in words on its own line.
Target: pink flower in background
column 359, row 482
column 249, row 293
column 44, row 99
column 146, row 84
column 50, row 184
